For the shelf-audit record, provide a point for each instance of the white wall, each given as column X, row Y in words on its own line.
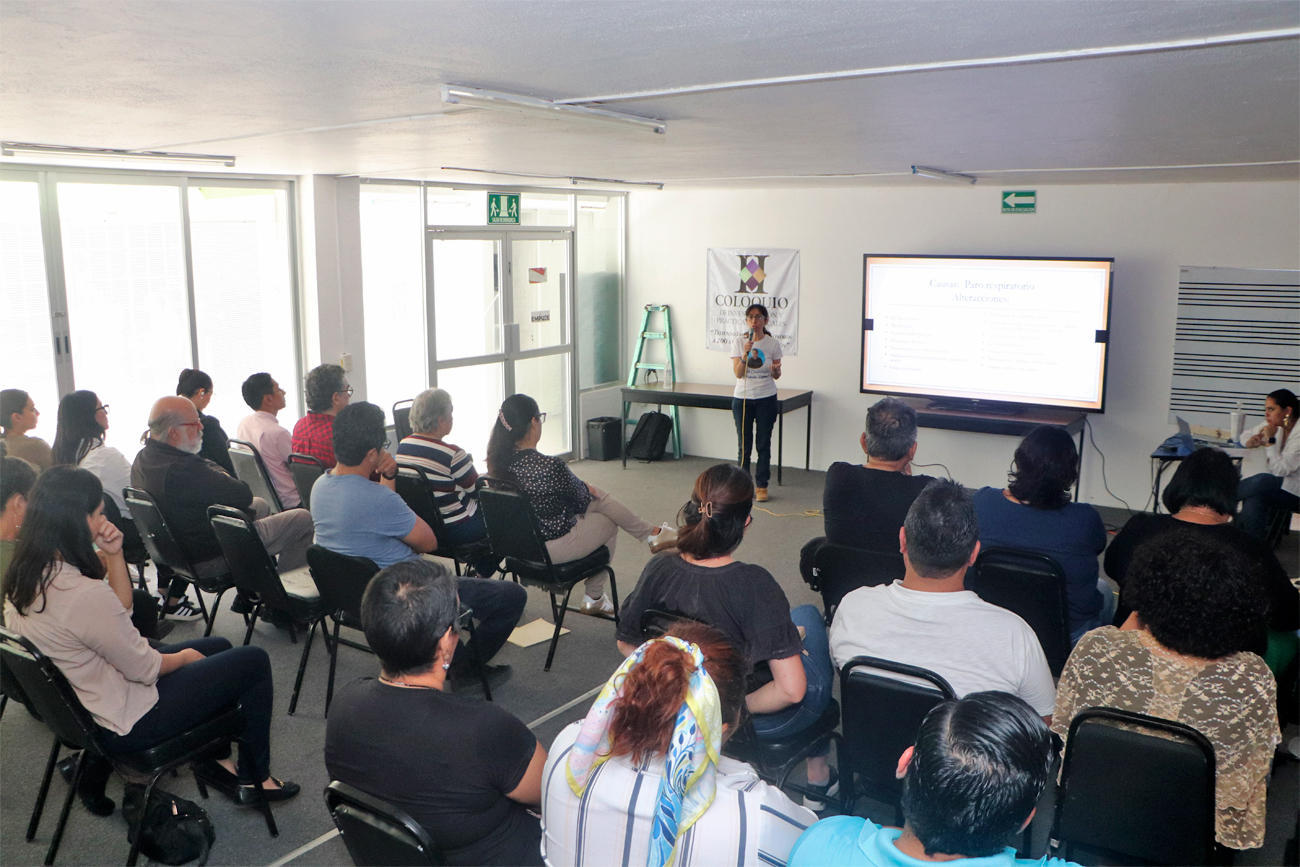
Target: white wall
column 1150, row 230
column 330, row 252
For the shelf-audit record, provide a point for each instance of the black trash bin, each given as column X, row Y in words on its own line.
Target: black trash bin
column 604, row 438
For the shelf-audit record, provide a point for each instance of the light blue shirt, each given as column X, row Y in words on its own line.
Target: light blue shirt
column 361, row 518
column 849, row 841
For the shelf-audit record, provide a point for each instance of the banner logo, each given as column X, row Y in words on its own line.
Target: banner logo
column 752, row 274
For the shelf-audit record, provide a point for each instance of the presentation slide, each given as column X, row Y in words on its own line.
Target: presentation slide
column 1029, row 331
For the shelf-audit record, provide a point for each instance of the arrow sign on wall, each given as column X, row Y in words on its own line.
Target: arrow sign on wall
column 1019, row 201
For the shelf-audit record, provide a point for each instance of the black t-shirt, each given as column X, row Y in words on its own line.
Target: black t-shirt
column 445, row 762
column 741, row 600
column 1284, row 599
column 865, row 507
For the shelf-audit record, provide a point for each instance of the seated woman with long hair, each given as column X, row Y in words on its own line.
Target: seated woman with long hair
column 74, row 603
column 1201, row 498
column 197, row 386
column 576, row 518
column 1264, row 494
column 1034, row 513
column 702, row 581
column 642, row 779
column 1195, row 604
column 79, row 442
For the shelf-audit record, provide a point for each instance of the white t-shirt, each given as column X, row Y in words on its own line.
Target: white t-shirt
column 113, row 470
column 758, row 381
column 749, row 822
column 1283, row 460
column 972, row 644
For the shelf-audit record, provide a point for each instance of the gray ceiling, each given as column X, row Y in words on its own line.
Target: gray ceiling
column 250, row 78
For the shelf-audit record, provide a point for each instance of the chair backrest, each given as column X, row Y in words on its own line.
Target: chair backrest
column 402, row 419
column 413, row 486
column 305, row 470
column 658, row 619
column 44, row 689
column 341, row 581
column 1033, row 586
column 512, row 525
column 842, row 569
column 1130, row 791
column 133, row 547
column 377, row 833
column 157, row 537
column 251, row 470
column 880, row 716
column 251, row 567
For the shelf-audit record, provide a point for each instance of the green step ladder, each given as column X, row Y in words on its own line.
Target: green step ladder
column 666, row 368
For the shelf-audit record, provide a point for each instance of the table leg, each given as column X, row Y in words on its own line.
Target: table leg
column 622, row 434
column 780, row 443
column 807, row 441
column 1079, row 481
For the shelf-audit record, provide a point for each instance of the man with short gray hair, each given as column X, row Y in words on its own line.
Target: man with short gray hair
column 184, row 485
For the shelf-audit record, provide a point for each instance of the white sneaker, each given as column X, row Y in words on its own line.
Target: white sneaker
column 602, row 607
column 664, row 539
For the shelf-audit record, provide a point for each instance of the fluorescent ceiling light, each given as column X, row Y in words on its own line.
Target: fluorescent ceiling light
column 941, row 175
column 476, row 98
column 11, row 148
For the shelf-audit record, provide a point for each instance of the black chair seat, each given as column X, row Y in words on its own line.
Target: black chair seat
column 416, row 490
column 224, row 727
column 560, row 575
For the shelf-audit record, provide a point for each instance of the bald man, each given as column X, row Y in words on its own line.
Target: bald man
column 184, row 485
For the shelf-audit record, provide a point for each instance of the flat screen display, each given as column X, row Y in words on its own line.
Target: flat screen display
column 1031, row 331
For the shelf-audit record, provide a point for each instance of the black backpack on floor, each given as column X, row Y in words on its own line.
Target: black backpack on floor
column 175, row 830
column 650, row 437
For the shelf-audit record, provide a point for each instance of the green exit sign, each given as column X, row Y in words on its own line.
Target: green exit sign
column 503, row 208
column 1019, row 201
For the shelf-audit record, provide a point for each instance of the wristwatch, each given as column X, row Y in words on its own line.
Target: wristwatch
column 1272, row 441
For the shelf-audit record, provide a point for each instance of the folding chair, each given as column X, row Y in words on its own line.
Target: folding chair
column 378, row 834
column 305, row 470
column 251, row 470
column 841, row 569
column 402, row 419
column 413, row 486
column 1033, row 586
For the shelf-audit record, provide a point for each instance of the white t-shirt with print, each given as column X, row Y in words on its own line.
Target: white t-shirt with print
column 758, row 381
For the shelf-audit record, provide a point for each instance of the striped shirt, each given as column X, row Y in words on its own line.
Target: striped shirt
column 748, row 823
column 450, row 470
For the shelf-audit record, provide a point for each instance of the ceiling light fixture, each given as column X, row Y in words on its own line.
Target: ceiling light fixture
column 572, row 179
column 941, row 175
column 12, row 148
column 494, row 99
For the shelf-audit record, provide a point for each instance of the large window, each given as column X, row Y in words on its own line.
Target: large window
column 120, row 281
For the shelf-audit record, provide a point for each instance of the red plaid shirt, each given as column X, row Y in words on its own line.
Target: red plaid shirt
column 314, row 435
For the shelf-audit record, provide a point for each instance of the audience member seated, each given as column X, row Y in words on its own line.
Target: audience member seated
column 327, row 392
column 197, row 386
column 468, row 772
column 928, row 619
column 184, row 485
column 642, row 780
column 1178, row 657
column 576, row 518
column 1279, row 488
column 450, row 470
column 972, row 780
column 272, row 441
column 1200, row 499
column 18, row 415
column 16, row 480
column 361, row 518
column 1034, row 513
column 79, row 442
column 74, row 604
column 702, row 581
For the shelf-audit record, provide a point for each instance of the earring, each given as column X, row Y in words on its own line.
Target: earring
column 446, row 665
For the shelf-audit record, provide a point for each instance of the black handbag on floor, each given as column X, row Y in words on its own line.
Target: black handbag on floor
column 650, row 437
column 175, row 830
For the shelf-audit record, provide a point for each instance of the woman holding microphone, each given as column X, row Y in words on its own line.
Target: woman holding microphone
column 756, row 361
column 1279, row 488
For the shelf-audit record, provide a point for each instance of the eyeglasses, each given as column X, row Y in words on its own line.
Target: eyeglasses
column 541, row 416
column 103, row 408
column 190, row 424
column 347, row 391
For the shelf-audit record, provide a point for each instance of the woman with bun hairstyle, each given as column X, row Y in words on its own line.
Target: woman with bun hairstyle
column 642, row 780
column 702, row 581
column 197, row 386
column 576, row 518
column 1279, row 488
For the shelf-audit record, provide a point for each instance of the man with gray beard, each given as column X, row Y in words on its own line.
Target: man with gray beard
column 184, row 485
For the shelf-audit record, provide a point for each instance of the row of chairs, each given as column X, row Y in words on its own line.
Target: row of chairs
column 1028, row 583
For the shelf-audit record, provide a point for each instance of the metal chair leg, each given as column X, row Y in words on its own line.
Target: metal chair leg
column 67, row 806
column 559, row 623
column 144, row 811
column 4, row 702
column 613, row 591
column 334, row 658
column 252, row 621
column 44, row 790
column 477, row 661
column 302, row 664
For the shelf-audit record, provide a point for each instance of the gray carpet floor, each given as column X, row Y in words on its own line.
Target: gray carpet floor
column 583, row 661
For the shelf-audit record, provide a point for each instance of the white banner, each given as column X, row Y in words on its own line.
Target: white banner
column 741, row 276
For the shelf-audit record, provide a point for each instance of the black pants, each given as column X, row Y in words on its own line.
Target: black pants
column 751, row 414
column 497, row 607
column 194, row 693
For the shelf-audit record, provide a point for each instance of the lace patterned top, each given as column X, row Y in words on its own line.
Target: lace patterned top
column 1232, row 701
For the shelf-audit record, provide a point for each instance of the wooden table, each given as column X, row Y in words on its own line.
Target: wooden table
column 706, row 396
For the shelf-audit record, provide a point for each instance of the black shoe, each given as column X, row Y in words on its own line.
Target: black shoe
column 244, row 603
column 213, row 774
column 287, row 791
column 99, row 805
column 68, row 767
column 467, row 678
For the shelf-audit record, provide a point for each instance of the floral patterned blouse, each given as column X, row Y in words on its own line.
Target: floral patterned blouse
column 1232, row 701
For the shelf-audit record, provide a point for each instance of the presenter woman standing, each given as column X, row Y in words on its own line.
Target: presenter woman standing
column 756, row 361
column 1279, row 488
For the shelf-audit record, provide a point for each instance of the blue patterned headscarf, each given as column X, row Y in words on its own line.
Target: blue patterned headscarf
column 690, row 767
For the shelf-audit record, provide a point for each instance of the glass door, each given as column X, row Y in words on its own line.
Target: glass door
column 499, row 323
